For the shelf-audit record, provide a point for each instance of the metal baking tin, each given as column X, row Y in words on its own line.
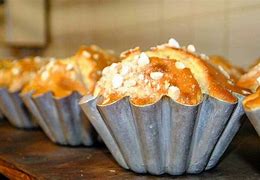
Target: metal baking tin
column 61, row 119
column 254, row 118
column 166, row 137
column 13, row 109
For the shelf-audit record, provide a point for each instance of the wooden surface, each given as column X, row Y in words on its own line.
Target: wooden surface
column 30, row 155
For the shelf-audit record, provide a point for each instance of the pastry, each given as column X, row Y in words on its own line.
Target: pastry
column 60, row 77
column 14, row 75
column 52, row 96
column 164, row 70
column 165, row 110
column 250, row 80
column 77, row 73
column 91, row 61
column 226, row 67
column 251, row 103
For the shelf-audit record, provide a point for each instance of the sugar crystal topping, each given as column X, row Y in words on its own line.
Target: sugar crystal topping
column 222, row 70
column 191, row 48
column 174, row 92
column 16, row 70
column 117, row 81
column 143, row 59
column 179, row 65
column 86, row 54
column 173, row 43
column 156, row 75
column 69, row 67
column 258, row 80
column 45, row 75
column 152, row 74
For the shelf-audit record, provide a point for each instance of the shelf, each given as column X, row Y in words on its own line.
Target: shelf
column 30, row 155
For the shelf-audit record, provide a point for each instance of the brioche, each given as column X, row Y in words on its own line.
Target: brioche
column 250, row 80
column 15, row 74
column 252, row 101
column 226, row 67
column 90, row 62
column 59, row 77
column 77, row 73
column 167, row 69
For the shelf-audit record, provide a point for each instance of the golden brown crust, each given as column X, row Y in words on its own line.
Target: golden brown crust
column 58, row 77
column 211, row 80
column 186, row 75
column 172, row 76
column 15, row 74
column 182, row 78
column 90, row 62
column 78, row 73
column 223, row 64
column 249, row 79
column 252, row 101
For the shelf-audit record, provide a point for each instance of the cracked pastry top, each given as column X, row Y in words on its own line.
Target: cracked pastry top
column 168, row 69
column 78, row 73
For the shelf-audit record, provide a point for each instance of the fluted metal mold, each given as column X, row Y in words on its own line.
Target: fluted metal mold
column 14, row 110
column 61, row 119
column 254, row 118
column 96, row 119
column 232, row 127
column 165, row 137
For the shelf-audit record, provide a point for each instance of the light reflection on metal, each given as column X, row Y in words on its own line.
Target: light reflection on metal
column 166, row 137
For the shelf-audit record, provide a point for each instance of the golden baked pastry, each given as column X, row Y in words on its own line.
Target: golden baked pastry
column 167, row 69
column 15, row 74
column 58, row 76
column 252, row 101
column 251, row 79
column 226, row 67
column 78, row 73
column 91, row 61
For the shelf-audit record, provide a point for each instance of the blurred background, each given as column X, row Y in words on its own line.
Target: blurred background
column 58, row 27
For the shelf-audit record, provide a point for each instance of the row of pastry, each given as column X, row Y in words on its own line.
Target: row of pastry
column 169, row 109
column 60, row 76
column 81, row 72
column 170, row 102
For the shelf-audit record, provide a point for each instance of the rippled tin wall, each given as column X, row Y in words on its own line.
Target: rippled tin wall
column 254, row 117
column 165, row 137
column 231, row 129
column 13, row 108
column 61, row 119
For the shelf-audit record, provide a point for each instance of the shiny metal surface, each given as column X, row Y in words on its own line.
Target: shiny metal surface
column 234, row 123
column 90, row 109
column 165, row 137
column 61, row 118
column 254, row 118
column 13, row 108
